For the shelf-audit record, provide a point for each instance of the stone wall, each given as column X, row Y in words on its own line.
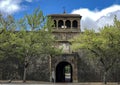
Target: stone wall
column 12, row 67
column 39, row 69
column 88, row 70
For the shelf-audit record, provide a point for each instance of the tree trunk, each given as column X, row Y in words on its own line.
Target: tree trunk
column 24, row 75
column 25, row 71
column 50, row 68
column 11, row 79
column 104, row 77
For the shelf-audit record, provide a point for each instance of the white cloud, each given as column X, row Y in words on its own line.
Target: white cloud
column 9, row 6
column 98, row 18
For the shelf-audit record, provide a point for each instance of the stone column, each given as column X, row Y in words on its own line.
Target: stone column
column 64, row 23
column 57, row 24
column 78, row 24
column 71, row 23
column 75, row 71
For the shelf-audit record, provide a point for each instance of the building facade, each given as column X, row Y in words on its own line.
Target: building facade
column 64, row 67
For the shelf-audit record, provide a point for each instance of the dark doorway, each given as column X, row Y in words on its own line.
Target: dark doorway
column 64, row 72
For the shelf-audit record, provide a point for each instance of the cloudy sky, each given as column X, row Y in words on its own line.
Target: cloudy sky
column 95, row 13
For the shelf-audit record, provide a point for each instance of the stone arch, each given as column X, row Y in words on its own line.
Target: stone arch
column 64, row 72
column 68, row 24
column 75, row 24
column 60, row 23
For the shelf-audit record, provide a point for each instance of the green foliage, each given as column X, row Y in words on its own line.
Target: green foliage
column 105, row 45
column 33, row 38
column 7, row 35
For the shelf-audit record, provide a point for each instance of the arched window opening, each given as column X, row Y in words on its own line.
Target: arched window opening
column 55, row 23
column 60, row 24
column 75, row 24
column 68, row 24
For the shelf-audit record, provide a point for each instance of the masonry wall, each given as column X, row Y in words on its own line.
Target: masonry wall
column 89, row 70
column 39, row 70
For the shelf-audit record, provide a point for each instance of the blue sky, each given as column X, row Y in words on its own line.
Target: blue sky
column 93, row 12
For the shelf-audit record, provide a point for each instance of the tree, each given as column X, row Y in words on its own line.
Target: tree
column 7, row 34
column 7, row 44
column 35, row 37
column 7, row 29
column 105, row 45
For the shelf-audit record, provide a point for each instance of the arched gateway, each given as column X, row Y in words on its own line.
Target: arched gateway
column 63, row 68
column 64, row 72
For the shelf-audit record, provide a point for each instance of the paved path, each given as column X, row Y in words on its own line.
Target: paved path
column 48, row 83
